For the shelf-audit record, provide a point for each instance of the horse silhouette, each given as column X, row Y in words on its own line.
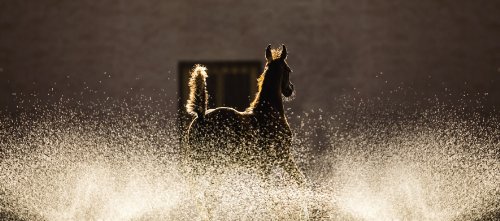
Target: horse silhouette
column 259, row 137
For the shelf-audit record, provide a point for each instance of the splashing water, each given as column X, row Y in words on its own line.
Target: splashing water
column 118, row 165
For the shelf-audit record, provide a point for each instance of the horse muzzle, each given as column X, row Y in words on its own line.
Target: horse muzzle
column 287, row 91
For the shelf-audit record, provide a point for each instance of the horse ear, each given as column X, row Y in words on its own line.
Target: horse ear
column 269, row 55
column 283, row 53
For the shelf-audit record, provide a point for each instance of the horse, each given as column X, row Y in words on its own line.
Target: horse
column 259, row 137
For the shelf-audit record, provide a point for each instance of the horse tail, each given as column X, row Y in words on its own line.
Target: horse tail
column 198, row 96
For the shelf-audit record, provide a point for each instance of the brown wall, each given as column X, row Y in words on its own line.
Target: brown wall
column 427, row 46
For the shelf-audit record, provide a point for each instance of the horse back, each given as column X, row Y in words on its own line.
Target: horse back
column 219, row 125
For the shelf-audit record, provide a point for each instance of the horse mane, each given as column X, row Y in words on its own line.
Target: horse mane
column 260, row 82
column 276, row 53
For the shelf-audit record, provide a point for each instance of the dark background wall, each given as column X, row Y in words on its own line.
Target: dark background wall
column 362, row 48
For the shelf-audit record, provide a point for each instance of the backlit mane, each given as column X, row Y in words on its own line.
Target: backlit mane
column 260, row 82
column 276, row 53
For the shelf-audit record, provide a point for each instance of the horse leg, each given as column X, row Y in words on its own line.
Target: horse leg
column 289, row 165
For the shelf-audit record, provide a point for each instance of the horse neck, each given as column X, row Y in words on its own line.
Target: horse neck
column 268, row 99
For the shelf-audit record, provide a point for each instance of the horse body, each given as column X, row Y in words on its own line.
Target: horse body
column 219, row 136
column 258, row 137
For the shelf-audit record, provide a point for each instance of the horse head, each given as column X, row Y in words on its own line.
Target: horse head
column 276, row 62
